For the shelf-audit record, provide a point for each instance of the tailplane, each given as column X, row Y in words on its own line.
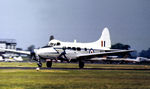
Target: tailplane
column 104, row 40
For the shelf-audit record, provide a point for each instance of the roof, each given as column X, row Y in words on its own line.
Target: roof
column 7, row 41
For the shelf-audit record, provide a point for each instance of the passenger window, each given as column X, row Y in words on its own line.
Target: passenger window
column 85, row 49
column 69, row 48
column 78, row 49
column 64, row 48
column 73, row 48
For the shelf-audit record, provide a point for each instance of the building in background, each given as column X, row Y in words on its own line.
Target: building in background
column 8, row 44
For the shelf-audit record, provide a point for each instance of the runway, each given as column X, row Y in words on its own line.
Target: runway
column 44, row 68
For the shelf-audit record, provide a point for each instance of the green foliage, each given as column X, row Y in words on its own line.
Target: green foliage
column 120, row 46
column 145, row 53
column 18, row 48
column 124, row 47
column 31, row 48
column 74, row 79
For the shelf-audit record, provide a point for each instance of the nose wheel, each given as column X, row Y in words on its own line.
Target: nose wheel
column 39, row 64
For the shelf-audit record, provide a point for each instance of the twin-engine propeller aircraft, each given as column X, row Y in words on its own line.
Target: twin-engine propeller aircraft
column 81, row 52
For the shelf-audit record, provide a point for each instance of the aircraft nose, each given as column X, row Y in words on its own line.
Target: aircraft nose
column 46, row 51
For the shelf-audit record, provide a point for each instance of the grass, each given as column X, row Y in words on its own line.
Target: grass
column 74, row 79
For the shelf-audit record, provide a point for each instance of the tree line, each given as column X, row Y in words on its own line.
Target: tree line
column 143, row 53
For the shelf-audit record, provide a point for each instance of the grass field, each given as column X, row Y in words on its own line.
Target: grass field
column 74, row 79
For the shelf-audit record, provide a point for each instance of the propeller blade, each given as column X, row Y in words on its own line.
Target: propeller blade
column 63, row 56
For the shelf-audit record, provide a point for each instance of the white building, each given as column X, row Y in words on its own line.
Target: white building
column 7, row 44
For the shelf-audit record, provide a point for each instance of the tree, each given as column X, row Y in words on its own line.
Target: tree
column 18, row 48
column 120, row 46
column 31, row 48
column 123, row 47
column 145, row 53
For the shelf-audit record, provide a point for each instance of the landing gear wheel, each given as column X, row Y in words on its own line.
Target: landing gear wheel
column 81, row 64
column 39, row 64
column 49, row 64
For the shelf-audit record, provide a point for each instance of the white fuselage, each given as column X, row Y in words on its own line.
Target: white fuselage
column 47, row 53
column 54, row 53
column 72, row 49
column 93, row 45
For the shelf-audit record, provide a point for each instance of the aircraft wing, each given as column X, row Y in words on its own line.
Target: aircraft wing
column 101, row 54
column 16, row 51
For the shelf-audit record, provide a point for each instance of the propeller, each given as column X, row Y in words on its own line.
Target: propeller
column 35, row 57
column 63, row 55
column 2, row 56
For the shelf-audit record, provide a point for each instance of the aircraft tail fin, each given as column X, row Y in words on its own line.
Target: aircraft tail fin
column 104, row 40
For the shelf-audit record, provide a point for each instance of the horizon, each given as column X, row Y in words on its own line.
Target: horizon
column 32, row 22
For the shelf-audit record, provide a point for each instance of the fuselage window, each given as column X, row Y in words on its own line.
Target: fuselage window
column 78, row 49
column 73, row 48
column 85, row 49
column 69, row 48
column 64, row 48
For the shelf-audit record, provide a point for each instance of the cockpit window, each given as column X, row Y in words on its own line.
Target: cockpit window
column 46, row 46
column 51, row 44
column 55, row 44
column 58, row 43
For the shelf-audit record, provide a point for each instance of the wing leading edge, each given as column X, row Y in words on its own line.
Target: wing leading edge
column 16, row 51
column 101, row 54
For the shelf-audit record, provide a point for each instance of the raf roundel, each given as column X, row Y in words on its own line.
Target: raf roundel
column 91, row 51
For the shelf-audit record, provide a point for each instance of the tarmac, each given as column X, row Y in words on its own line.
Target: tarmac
column 44, row 68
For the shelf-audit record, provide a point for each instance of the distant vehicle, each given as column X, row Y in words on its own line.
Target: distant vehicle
column 13, row 59
column 9, row 59
column 142, row 60
column 18, row 59
column 1, row 58
column 138, row 60
column 81, row 52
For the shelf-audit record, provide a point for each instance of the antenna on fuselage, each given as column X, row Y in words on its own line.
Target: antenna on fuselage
column 75, row 41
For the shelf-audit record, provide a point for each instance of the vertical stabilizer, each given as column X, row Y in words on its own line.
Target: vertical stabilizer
column 104, row 40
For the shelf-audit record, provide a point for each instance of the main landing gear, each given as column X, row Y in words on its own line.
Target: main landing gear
column 49, row 63
column 81, row 64
column 39, row 63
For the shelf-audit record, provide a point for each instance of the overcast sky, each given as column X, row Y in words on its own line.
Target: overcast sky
column 33, row 21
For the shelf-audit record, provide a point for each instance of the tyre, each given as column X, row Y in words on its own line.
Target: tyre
column 49, row 64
